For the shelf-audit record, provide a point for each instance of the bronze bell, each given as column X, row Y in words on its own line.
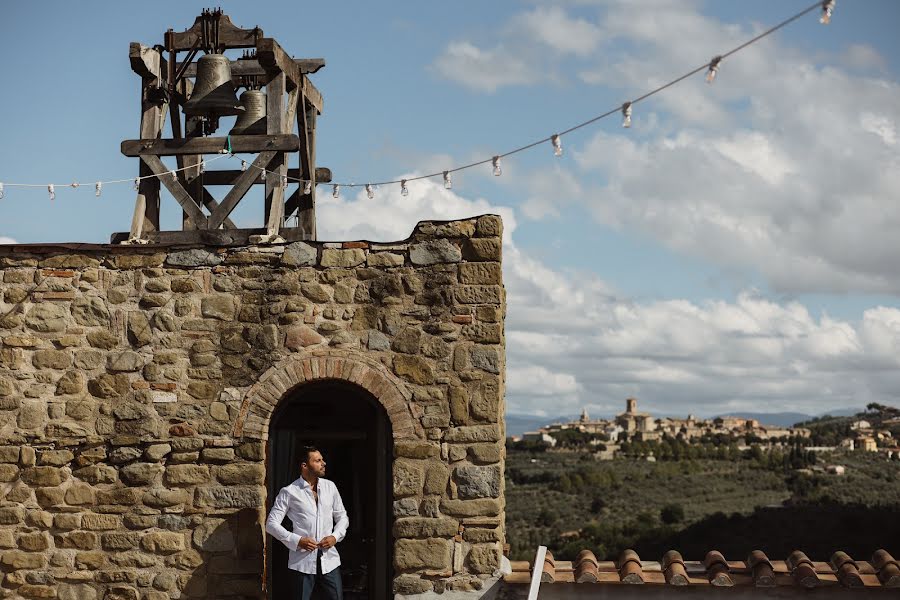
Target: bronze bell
column 253, row 120
column 214, row 94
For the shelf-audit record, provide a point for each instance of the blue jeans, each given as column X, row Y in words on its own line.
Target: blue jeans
column 330, row 583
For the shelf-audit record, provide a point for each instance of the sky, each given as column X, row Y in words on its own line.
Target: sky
column 734, row 250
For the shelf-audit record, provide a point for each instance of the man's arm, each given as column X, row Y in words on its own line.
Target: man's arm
column 341, row 521
column 276, row 516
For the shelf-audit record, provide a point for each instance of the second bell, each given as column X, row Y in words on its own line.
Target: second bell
column 253, row 120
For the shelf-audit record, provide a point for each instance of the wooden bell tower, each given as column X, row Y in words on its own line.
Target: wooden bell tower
column 292, row 105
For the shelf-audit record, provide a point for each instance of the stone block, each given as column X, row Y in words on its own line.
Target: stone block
column 109, row 387
column 489, row 226
column 436, row 476
column 76, row 591
column 51, row 359
column 480, row 273
column 477, row 482
column 181, row 475
column 157, row 452
column 121, row 592
column 163, row 497
column 299, row 254
column 100, row 522
column 81, row 540
column 79, row 494
column 196, row 257
column 483, row 249
column 71, row 382
column 422, row 554
column 384, row 259
column 406, row 507
column 227, row 497
column 139, row 331
column 486, row 358
column 34, row 542
column 163, row 542
column 90, row 311
column 414, row 369
column 220, row 306
column 241, row 474
column 409, row 478
column 30, row 590
column 67, row 521
column 301, row 336
column 485, row 453
column 478, row 535
column 421, row 527
column 140, row 473
column 47, row 317
column 9, row 454
column 482, row 507
column 483, row 559
column 409, row 585
column 433, row 252
column 8, row 473
column 214, row 535
column 416, row 450
column 43, row 476
column 343, row 258
column 473, row 433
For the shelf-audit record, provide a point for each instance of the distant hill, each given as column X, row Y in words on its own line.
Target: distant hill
column 519, row 424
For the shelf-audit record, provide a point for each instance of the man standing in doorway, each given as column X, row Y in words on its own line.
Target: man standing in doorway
column 319, row 519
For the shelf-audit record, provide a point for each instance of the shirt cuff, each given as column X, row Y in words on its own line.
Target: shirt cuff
column 294, row 541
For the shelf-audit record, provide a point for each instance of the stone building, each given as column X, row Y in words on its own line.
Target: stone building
column 152, row 400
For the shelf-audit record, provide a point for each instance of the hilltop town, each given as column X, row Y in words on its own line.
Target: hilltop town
column 608, row 436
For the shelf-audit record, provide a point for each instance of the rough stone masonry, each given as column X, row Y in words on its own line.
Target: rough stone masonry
column 136, row 384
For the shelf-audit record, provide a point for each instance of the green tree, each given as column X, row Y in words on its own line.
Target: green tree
column 671, row 513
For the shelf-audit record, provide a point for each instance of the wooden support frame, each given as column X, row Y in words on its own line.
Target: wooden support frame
column 292, row 101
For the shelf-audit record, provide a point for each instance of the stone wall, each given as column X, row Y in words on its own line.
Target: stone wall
column 136, row 384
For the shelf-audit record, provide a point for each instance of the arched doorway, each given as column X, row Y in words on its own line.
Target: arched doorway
column 351, row 428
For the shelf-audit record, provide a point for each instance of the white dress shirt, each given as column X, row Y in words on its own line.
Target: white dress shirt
column 316, row 521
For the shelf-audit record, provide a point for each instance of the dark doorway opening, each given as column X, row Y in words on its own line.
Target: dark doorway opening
column 352, row 430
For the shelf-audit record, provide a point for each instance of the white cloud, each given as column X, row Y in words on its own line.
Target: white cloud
column 483, row 69
column 572, row 341
column 862, row 57
column 552, row 27
column 7, row 240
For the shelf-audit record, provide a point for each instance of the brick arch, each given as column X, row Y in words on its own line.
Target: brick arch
column 275, row 384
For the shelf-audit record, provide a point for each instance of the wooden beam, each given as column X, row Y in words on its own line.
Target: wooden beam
column 235, row 194
column 212, row 237
column 244, row 67
column 211, row 145
column 229, row 176
column 276, row 124
column 274, row 59
column 306, row 211
column 212, row 205
column 176, row 189
column 230, row 36
column 146, row 61
column 150, row 65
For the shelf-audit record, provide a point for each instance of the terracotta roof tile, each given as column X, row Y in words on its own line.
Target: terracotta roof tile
column 630, row 569
column 887, row 568
column 798, row 571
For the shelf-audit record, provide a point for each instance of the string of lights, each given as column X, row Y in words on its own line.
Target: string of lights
column 625, row 109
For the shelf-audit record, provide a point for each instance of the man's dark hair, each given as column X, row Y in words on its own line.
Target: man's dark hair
column 305, row 451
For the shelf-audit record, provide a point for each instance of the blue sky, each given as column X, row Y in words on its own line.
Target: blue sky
column 733, row 250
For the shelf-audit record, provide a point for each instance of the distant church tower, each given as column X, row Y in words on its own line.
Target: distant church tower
column 584, row 415
column 631, row 405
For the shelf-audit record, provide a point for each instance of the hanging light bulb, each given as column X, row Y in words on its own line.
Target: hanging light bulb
column 243, row 165
column 98, row 187
column 448, row 183
column 284, row 182
column 713, row 69
column 137, row 183
column 307, row 187
column 1, row 191
column 404, row 191
column 202, row 167
column 370, row 193
column 262, row 175
column 557, row 144
column 626, row 114
column 74, row 184
column 173, row 175
column 827, row 9
column 495, row 162
column 335, row 191
column 51, row 189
